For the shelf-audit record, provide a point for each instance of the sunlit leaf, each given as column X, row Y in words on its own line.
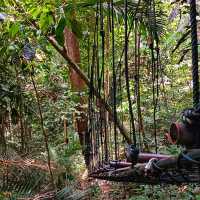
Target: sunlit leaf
column 45, row 21
column 35, row 12
column 14, row 29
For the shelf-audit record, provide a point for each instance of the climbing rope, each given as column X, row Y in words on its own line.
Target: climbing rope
column 154, row 46
column 195, row 70
column 114, row 77
column 127, row 71
column 102, row 80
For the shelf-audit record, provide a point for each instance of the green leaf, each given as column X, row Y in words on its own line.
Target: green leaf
column 72, row 23
column 11, row 49
column 3, row 50
column 198, row 197
column 45, row 21
column 2, row 4
column 76, row 28
column 35, row 12
column 143, row 30
column 59, row 31
column 14, row 29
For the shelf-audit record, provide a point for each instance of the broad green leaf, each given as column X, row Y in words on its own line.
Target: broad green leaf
column 72, row 23
column 59, row 31
column 45, row 21
column 35, row 12
column 14, row 29
column 143, row 30
column 68, row 17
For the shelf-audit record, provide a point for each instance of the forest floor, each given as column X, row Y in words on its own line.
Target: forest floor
column 106, row 190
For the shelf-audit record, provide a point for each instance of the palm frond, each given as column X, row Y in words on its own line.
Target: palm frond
column 155, row 20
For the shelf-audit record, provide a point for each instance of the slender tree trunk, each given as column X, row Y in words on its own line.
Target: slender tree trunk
column 78, row 85
column 2, row 136
column 66, row 140
column 20, row 113
column 21, row 128
column 44, row 132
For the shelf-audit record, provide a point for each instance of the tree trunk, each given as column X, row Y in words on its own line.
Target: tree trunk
column 2, row 135
column 72, row 49
column 78, row 85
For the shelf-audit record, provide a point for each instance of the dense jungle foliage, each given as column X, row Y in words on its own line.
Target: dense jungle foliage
column 42, row 100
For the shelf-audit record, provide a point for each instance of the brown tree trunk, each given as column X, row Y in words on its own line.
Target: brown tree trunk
column 78, row 85
column 2, row 135
column 72, row 49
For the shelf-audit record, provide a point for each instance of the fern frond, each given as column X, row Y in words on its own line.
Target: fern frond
column 21, row 177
